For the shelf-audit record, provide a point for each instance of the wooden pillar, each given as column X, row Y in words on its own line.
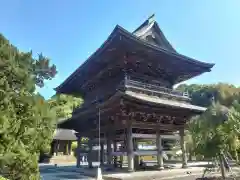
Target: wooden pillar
column 78, row 151
column 183, row 148
column 69, row 147
column 65, row 147
column 136, row 157
column 102, row 154
column 109, row 149
column 57, row 146
column 130, row 152
column 121, row 157
column 54, row 147
column 90, row 158
column 115, row 150
column 159, row 150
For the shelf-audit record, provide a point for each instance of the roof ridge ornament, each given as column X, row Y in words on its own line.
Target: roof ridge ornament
column 151, row 18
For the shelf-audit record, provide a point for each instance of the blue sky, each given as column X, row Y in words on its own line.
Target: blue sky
column 68, row 31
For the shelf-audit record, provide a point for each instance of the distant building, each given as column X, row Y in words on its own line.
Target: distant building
column 62, row 142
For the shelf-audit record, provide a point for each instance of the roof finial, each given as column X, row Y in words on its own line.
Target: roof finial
column 151, row 18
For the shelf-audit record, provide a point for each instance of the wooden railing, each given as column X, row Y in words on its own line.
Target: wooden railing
column 138, row 86
column 154, row 89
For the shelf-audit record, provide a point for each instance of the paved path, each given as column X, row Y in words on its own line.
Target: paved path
column 189, row 177
column 70, row 172
column 73, row 173
column 64, row 173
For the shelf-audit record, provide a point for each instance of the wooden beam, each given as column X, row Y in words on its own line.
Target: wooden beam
column 138, row 106
column 145, row 77
column 160, row 126
column 165, row 60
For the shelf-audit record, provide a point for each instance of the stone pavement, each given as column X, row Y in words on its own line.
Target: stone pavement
column 163, row 174
column 190, row 173
column 70, row 172
column 62, row 173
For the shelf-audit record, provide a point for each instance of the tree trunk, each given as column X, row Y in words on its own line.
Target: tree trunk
column 190, row 155
column 222, row 167
column 236, row 155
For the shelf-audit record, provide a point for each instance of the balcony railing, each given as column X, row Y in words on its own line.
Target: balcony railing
column 155, row 89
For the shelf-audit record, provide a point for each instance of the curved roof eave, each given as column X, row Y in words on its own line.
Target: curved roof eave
column 164, row 37
column 65, row 134
column 85, row 63
column 158, row 101
column 69, row 123
column 122, row 31
column 182, row 57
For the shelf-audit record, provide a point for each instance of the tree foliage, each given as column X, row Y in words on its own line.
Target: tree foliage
column 203, row 95
column 26, row 121
column 227, row 107
column 64, row 105
column 208, row 135
column 217, row 131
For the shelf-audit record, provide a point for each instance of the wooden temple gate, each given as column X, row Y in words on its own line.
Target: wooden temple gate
column 127, row 85
column 124, row 128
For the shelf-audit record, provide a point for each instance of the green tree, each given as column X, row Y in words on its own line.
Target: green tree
column 189, row 144
column 208, row 135
column 64, row 105
column 216, row 133
column 232, row 130
column 26, row 121
column 2, row 178
column 203, row 95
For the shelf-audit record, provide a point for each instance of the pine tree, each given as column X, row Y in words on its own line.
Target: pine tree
column 26, row 121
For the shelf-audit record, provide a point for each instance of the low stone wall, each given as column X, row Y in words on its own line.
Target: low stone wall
column 62, row 159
